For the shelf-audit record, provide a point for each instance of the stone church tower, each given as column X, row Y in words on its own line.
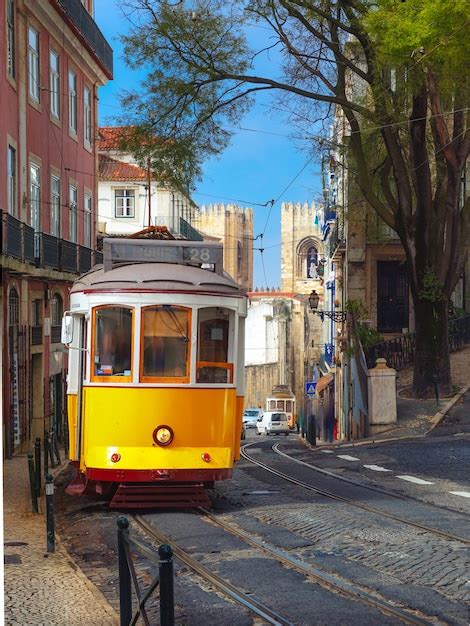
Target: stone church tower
column 233, row 225
column 302, row 254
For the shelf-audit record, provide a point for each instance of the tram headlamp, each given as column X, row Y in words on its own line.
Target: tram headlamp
column 163, row 435
column 115, row 457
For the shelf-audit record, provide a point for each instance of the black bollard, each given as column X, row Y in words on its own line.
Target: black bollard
column 37, row 464
column 46, row 452
column 32, row 483
column 167, row 600
column 50, row 513
column 125, row 590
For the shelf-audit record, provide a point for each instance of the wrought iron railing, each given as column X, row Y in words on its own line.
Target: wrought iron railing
column 36, row 335
column 400, row 352
column 84, row 263
column 188, row 232
column 56, row 334
column 98, row 257
column 83, row 21
column 49, row 250
column 69, row 256
column 11, row 236
column 28, row 243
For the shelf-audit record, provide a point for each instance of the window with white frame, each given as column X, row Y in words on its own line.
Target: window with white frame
column 124, row 202
column 73, row 101
column 87, row 222
column 55, row 206
column 11, row 37
column 33, row 63
column 54, row 83
column 11, row 173
column 73, row 206
column 87, row 116
column 35, row 196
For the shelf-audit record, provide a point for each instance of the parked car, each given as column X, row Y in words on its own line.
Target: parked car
column 251, row 416
column 273, row 423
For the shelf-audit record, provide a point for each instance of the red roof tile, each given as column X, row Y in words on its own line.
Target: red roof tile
column 112, row 169
column 110, row 137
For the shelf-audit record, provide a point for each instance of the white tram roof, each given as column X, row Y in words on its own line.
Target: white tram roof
column 158, row 277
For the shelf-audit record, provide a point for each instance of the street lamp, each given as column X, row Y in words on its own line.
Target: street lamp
column 337, row 316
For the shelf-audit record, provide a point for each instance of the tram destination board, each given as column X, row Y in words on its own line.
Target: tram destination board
column 145, row 251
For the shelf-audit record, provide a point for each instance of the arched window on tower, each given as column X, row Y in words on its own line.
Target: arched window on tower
column 312, row 261
column 239, row 257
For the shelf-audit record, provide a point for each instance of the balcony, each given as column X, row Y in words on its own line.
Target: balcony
column 98, row 258
column 91, row 35
column 36, row 335
column 188, row 232
column 56, row 332
column 179, row 227
column 336, row 242
column 11, row 236
column 49, row 253
column 84, row 259
column 29, row 252
column 69, row 256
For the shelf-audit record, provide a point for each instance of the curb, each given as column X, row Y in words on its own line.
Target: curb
column 439, row 416
column 77, row 570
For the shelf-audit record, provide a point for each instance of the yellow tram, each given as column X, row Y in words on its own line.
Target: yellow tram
column 156, row 371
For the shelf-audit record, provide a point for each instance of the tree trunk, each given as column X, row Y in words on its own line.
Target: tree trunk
column 432, row 360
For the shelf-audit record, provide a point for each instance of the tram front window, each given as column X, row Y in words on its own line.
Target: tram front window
column 213, row 347
column 112, row 342
column 165, row 343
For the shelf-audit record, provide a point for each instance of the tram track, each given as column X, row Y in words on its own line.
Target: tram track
column 249, row 602
column 339, row 498
column 326, row 580
column 388, row 492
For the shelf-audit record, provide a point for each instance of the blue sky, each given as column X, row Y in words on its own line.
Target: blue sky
column 256, row 167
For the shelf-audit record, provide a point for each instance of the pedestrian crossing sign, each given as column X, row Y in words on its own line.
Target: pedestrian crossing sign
column 310, row 388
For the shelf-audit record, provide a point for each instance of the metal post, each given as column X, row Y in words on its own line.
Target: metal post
column 46, row 452
column 32, row 483
column 167, row 600
column 50, row 441
column 125, row 590
column 37, row 464
column 50, row 513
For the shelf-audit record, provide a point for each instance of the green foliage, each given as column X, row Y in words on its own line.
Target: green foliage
column 174, row 162
column 356, row 308
column 432, row 33
column 432, row 289
column 368, row 336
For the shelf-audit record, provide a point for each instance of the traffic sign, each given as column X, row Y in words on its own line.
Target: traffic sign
column 310, row 388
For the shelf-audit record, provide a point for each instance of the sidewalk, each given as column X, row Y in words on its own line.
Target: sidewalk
column 418, row 417
column 41, row 588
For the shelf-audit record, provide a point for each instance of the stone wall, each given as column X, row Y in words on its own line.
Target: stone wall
column 259, row 382
column 233, row 225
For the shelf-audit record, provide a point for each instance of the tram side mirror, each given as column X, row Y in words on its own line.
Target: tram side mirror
column 67, row 329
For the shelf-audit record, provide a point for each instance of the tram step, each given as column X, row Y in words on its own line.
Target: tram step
column 160, row 496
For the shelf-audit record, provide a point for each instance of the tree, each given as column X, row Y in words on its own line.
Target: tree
column 399, row 72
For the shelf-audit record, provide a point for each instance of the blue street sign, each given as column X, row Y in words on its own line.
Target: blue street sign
column 310, row 388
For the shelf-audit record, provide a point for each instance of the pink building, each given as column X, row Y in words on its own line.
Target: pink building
column 53, row 59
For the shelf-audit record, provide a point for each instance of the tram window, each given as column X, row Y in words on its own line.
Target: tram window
column 213, row 347
column 288, row 406
column 280, row 405
column 113, row 342
column 272, row 405
column 165, row 343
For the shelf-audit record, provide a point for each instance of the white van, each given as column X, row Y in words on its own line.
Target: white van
column 272, row 423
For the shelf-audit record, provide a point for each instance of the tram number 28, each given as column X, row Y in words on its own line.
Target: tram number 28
column 199, row 255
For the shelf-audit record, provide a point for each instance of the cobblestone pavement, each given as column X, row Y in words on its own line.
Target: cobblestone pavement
column 41, row 588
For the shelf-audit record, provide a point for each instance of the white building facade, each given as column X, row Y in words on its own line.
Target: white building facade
column 124, row 206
